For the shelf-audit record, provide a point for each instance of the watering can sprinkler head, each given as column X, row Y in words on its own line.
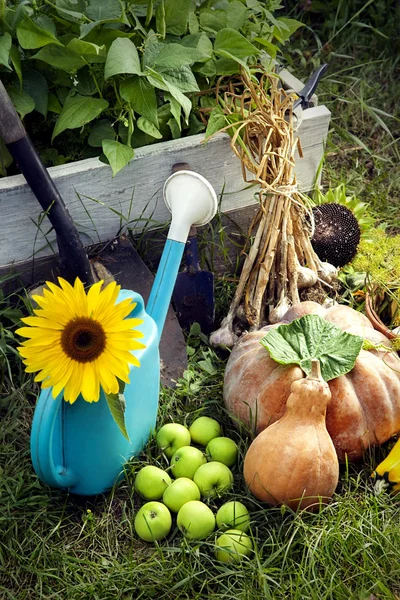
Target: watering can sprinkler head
column 191, row 200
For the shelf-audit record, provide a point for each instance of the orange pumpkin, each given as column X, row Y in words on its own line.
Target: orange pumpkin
column 365, row 407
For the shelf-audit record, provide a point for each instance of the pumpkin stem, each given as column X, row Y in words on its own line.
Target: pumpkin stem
column 315, row 370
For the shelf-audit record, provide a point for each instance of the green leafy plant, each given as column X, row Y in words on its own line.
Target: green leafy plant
column 311, row 337
column 125, row 74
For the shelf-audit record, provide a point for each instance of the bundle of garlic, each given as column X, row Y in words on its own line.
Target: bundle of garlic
column 280, row 260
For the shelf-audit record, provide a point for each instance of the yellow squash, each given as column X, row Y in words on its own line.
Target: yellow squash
column 389, row 469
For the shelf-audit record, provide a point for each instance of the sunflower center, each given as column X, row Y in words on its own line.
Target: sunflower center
column 83, row 339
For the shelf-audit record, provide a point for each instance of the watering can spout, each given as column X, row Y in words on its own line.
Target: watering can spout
column 192, row 201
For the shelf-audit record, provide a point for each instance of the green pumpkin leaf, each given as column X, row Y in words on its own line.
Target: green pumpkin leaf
column 77, row 111
column 117, row 405
column 118, row 155
column 122, row 57
column 31, row 36
column 312, row 337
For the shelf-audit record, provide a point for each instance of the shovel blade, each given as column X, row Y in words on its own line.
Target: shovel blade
column 193, row 300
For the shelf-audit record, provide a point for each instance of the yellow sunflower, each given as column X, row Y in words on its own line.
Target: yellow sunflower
column 80, row 341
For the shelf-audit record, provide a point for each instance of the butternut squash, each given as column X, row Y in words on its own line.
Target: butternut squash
column 294, row 462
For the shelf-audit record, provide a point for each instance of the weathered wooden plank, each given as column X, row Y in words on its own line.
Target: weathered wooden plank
column 101, row 205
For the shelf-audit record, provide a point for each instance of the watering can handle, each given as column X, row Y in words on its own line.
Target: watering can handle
column 43, row 424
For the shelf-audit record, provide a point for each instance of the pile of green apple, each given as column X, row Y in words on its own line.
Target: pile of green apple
column 196, row 474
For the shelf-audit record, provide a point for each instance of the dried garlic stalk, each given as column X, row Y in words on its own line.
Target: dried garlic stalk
column 280, row 254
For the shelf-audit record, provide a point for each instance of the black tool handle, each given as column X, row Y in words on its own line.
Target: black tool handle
column 73, row 258
column 310, row 87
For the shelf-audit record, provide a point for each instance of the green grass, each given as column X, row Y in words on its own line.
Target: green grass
column 56, row 546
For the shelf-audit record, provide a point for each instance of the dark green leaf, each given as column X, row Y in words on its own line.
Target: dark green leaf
column 285, row 27
column 60, row 58
column 232, row 43
column 118, row 155
column 117, row 405
column 122, row 57
column 157, row 80
column 312, row 337
column 174, row 56
column 77, row 111
column 23, row 102
column 53, row 104
column 177, row 16
column 102, row 130
column 31, row 36
column 85, row 83
column 193, row 23
column 16, row 62
column 175, row 109
column 141, row 96
column 217, row 121
column 91, row 52
column 72, row 10
column 236, row 15
column 213, row 20
column 104, row 10
column 202, row 43
column 5, row 47
column 175, row 130
column 46, row 23
column 181, row 78
column 147, row 127
column 36, row 86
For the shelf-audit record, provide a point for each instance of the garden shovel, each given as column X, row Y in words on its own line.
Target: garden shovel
column 193, row 295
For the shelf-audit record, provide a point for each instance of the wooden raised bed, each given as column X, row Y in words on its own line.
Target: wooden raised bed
column 96, row 200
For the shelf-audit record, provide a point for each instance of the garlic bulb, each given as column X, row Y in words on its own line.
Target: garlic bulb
column 224, row 336
column 277, row 313
column 328, row 272
column 305, row 278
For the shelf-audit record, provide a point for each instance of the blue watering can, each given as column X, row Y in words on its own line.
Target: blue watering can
column 79, row 446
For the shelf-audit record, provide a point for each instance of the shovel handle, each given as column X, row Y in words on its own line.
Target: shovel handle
column 73, row 258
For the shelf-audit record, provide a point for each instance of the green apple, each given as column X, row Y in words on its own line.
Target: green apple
column 213, row 479
column 172, row 436
column 195, row 520
column 222, row 449
column 186, row 461
column 233, row 514
column 232, row 545
column 151, row 482
column 153, row 521
column 180, row 491
column 203, row 430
